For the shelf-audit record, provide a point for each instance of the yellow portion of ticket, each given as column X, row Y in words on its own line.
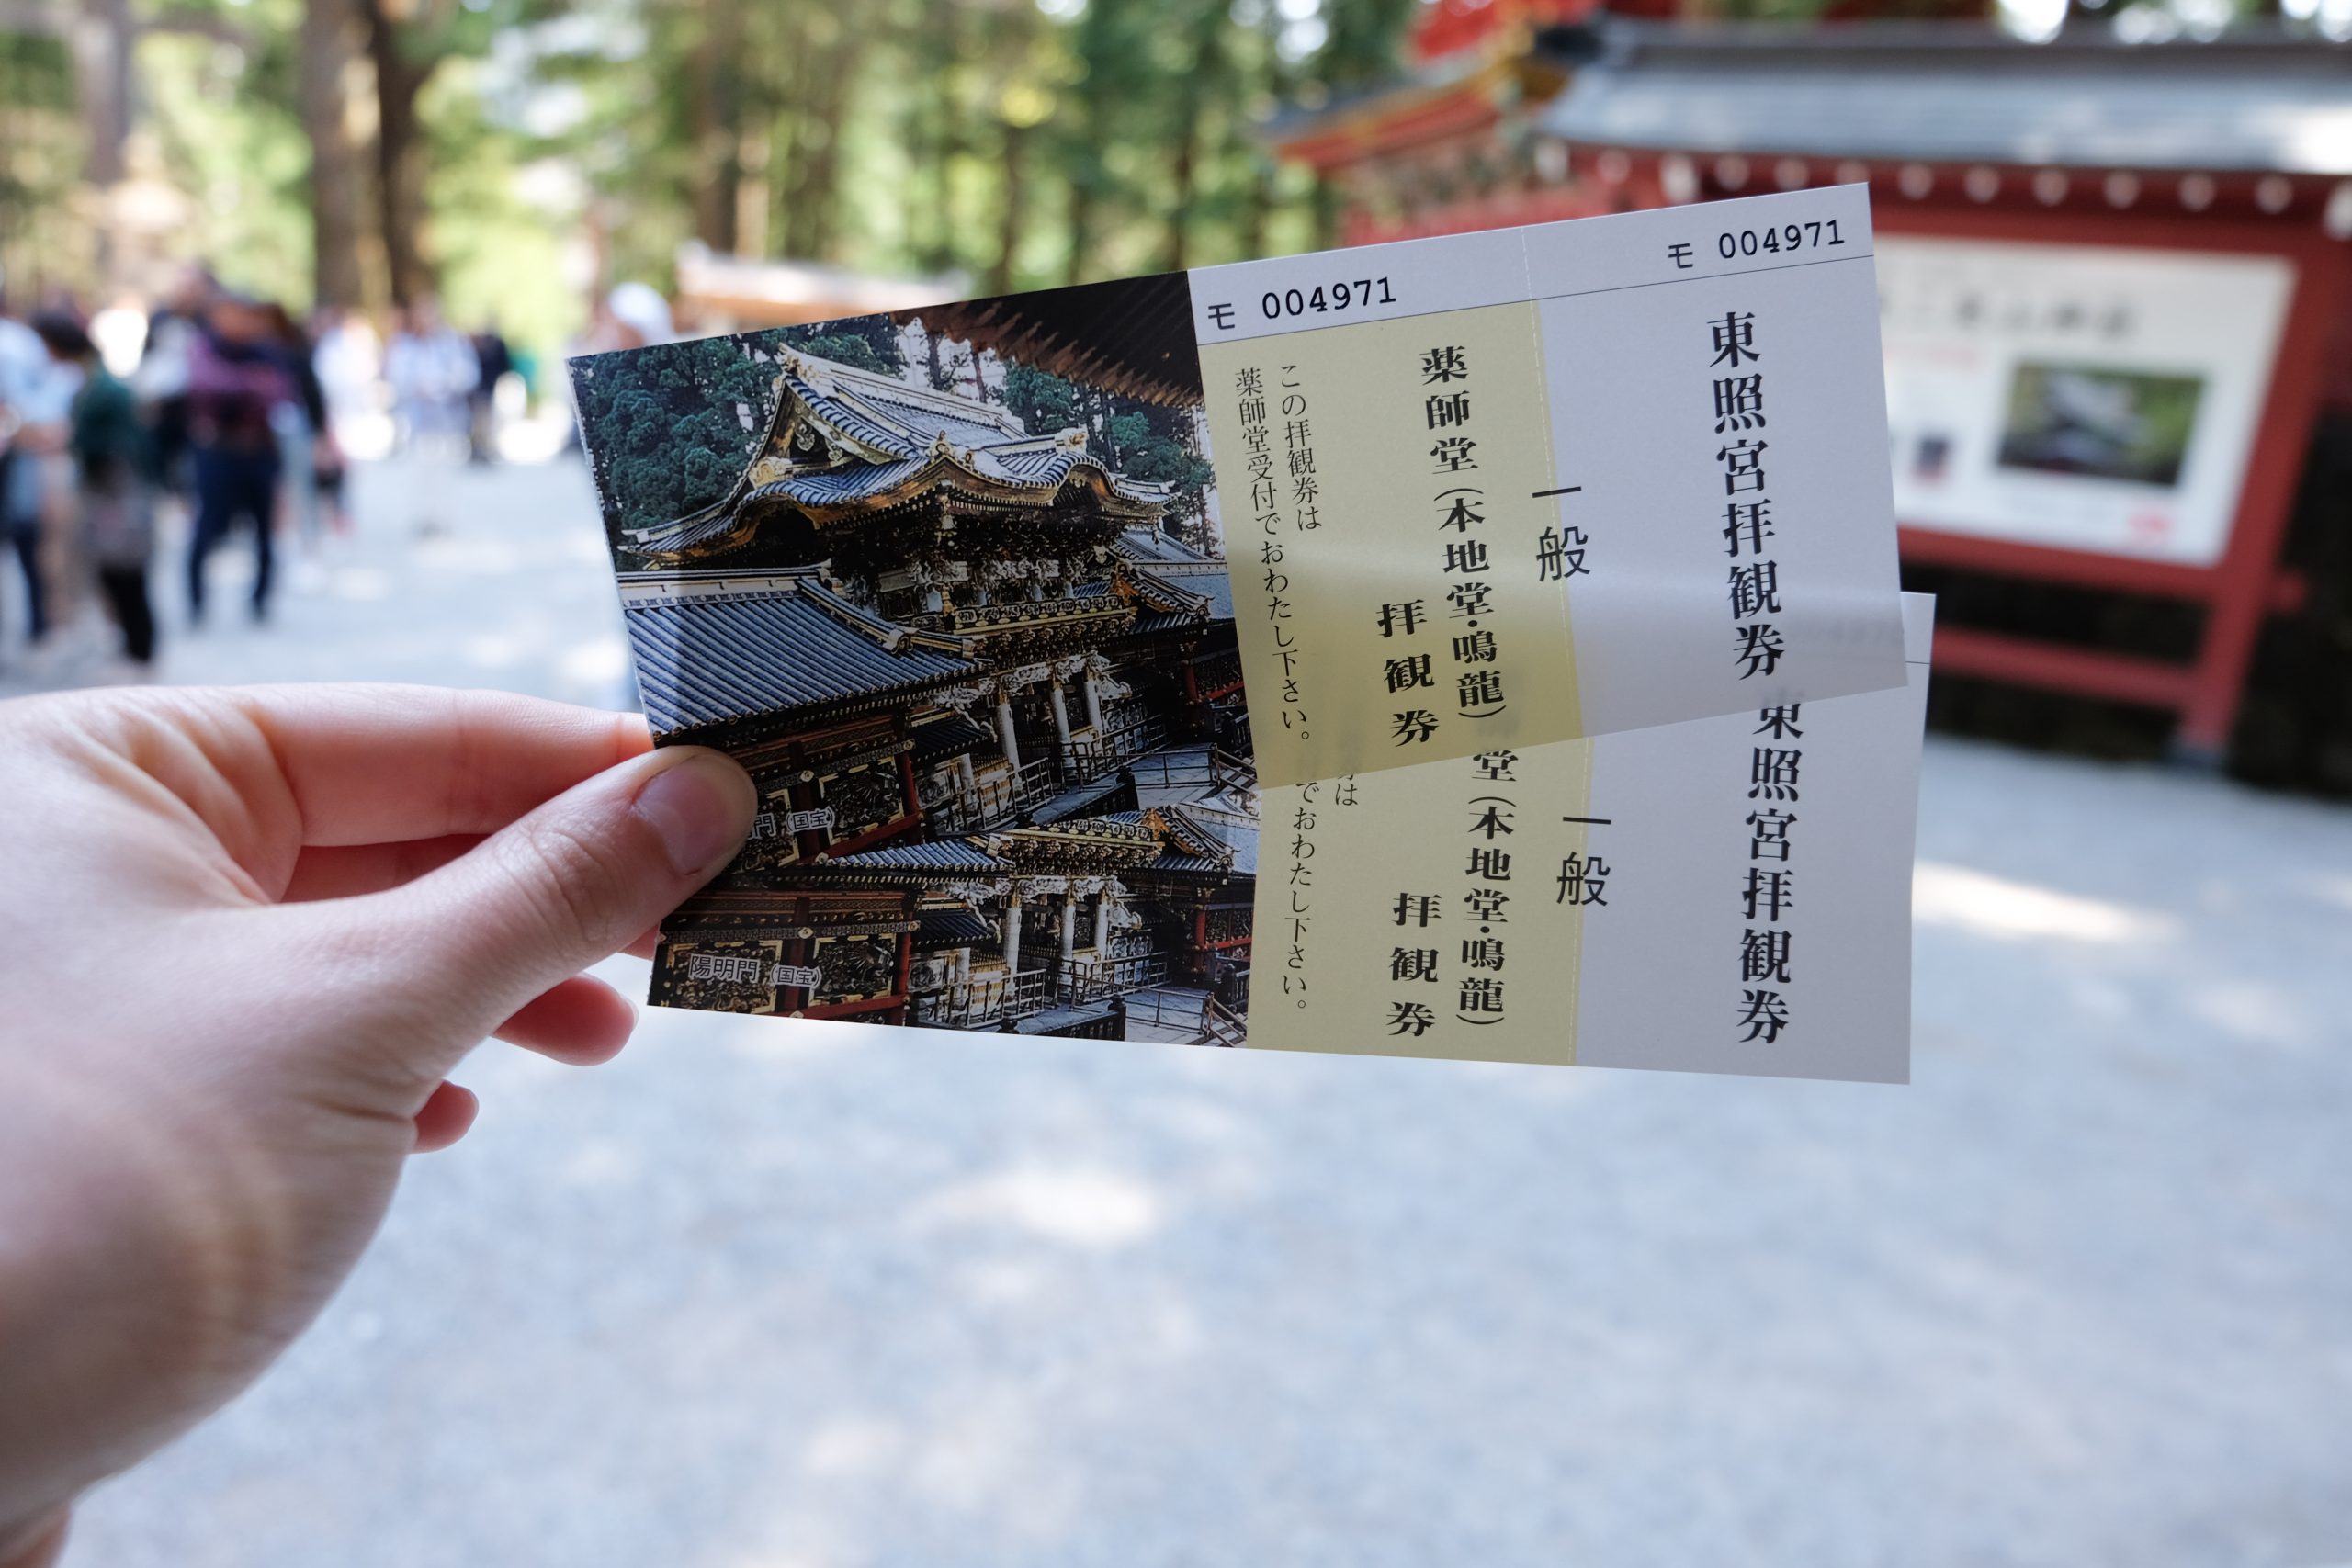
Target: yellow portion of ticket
column 1397, row 568
column 1428, row 911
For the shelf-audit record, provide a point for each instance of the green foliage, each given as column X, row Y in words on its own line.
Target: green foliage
column 1043, row 402
column 1158, row 445
column 496, row 247
column 1022, row 143
column 40, row 148
column 226, row 128
column 866, row 343
column 671, row 429
column 846, row 349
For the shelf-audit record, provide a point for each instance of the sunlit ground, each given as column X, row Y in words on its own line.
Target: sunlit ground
column 765, row 1296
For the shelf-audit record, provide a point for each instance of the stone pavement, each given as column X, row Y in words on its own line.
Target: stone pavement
column 758, row 1296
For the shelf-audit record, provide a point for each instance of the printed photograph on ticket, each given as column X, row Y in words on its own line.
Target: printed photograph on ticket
column 952, row 587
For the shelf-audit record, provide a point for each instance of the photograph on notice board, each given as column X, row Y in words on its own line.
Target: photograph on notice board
column 2129, row 425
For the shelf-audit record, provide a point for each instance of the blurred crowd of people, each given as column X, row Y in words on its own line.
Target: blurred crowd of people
column 218, row 412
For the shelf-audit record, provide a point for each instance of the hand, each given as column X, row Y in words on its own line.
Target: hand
column 245, row 934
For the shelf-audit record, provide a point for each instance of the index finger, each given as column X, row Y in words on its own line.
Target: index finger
column 376, row 763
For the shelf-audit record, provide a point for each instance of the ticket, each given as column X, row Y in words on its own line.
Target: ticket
column 1019, row 611
column 1533, row 484
column 1725, row 895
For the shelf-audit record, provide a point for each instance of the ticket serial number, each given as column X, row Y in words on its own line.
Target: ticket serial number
column 1281, row 304
column 1734, row 244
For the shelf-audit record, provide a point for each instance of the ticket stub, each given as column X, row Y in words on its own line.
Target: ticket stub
column 1020, row 610
column 1726, row 895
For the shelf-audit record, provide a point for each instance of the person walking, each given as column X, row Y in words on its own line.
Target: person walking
column 20, row 358
column 114, row 468
column 495, row 361
column 305, row 441
column 432, row 372
column 36, row 395
column 160, row 382
column 237, row 380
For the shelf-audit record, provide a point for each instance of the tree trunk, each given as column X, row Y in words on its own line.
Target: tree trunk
column 782, row 160
column 1173, row 246
column 924, row 188
column 1325, row 211
column 1258, row 208
column 101, row 40
column 1081, row 226
column 717, row 74
column 819, row 196
column 1008, row 233
column 1207, row 58
column 1085, row 169
column 752, row 150
column 787, row 176
column 324, row 51
column 400, row 163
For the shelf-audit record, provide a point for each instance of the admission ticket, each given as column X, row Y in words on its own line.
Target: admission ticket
column 1526, row 485
column 1027, row 613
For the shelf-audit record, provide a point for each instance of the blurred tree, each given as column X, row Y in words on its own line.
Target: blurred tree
column 1195, row 44
column 1111, row 43
column 407, row 41
column 40, row 150
column 1024, row 142
column 716, row 69
column 1359, row 49
column 100, row 38
column 221, row 123
column 329, row 46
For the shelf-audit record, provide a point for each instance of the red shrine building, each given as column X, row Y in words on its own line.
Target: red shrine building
column 2113, row 281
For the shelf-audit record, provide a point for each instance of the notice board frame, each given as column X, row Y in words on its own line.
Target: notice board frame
column 2246, row 585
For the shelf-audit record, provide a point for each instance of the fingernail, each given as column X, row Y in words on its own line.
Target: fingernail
column 700, row 808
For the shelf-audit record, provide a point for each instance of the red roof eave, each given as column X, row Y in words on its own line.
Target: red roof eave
column 1449, row 26
column 1388, row 126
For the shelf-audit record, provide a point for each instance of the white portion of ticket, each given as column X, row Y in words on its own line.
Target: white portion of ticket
column 1667, row 978
column 1644, row 455
column 1728, row 894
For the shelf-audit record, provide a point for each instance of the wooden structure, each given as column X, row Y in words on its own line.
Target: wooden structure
column 725, row 293
column 1453, row 144
column 2218, row 148
column 2179, row 152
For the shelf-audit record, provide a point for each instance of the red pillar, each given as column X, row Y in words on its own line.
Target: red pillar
column 813, row 841
column 2273, row 471
column 907, row 780
column 906, row 963
column 796, row 954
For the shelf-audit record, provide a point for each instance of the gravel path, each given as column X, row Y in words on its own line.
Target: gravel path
column 765, row 1297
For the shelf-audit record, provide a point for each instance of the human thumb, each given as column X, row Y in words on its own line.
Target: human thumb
column 570, row 883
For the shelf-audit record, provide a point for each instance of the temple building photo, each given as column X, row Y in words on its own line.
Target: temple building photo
column 951, row 587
